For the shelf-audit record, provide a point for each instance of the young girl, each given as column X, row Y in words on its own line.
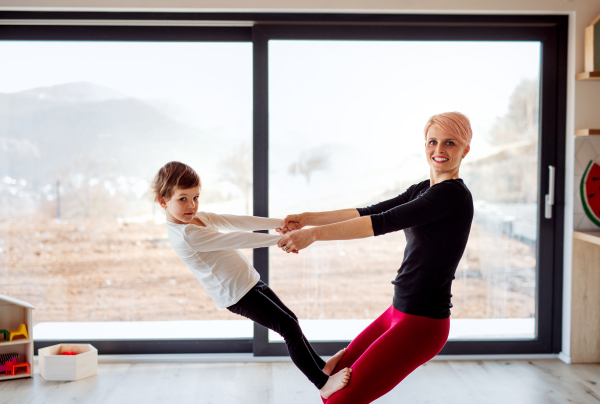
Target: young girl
column 228, row 276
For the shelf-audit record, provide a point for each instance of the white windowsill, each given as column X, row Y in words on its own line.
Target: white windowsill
column 315, row 330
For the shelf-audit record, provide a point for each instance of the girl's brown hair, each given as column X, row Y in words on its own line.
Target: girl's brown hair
column 171, row 176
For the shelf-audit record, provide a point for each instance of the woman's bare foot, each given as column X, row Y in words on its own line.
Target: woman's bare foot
column 333, row 361
column 336, row 382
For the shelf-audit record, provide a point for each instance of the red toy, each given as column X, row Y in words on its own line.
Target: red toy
column 8, row 357
column 69, row 353
column 5, row 365
column 12, row 367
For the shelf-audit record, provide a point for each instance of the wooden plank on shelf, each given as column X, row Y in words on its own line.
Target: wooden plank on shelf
column 15, row 342
column 588, row 58
column 29, row 322
column 20, row 375
column 594, row 75
column 585, row 292
column 587, row 132
column 592, row 46
column 589, row 236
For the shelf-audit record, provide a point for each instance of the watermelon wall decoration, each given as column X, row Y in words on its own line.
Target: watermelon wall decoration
column 590, row 192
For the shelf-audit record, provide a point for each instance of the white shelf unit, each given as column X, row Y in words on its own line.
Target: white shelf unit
column 13, row 312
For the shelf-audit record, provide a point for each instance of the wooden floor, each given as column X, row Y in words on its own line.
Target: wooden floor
column 464, row 382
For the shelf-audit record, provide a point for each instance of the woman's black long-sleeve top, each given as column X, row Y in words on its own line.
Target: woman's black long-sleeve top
column 436, row 221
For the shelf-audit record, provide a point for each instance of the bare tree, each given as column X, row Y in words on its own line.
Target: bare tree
column 308, row 163
column 521, row 120
column 85, row 189
column 237, row 170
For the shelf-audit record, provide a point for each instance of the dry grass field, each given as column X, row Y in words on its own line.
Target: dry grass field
column 101, row 270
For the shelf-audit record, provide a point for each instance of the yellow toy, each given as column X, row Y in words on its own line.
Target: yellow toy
column 22, row 330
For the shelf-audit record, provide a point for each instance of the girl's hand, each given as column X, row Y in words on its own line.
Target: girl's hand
column 297, row 240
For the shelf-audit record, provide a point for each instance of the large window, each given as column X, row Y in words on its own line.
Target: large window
column 84, row 128
column 320, row 112
column 346, row 130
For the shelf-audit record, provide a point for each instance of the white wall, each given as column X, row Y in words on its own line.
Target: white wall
column 583, row 99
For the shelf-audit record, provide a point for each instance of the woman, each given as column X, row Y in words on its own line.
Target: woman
column 436, row 217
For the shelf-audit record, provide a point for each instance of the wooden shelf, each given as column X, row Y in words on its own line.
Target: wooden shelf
column 587, row 132
column 21, row 373
column 588, row 76
column 585, row 302
column 589, row 236
column 15, row 342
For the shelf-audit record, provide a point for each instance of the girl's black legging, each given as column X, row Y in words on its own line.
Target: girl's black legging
column 262, row 306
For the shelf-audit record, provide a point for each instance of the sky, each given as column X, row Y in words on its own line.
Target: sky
column 363, row 103
column 407, row 80
column 213, row 81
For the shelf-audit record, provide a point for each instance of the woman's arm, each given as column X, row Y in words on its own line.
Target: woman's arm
column 295, row 222
column 319, row 218
column 359, row 227
column 439, row 201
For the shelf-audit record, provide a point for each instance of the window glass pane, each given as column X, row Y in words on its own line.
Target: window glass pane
column 84, row 126
column 346, row 130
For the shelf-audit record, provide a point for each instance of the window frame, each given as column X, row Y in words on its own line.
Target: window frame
column 259, row 28
column 551, row 32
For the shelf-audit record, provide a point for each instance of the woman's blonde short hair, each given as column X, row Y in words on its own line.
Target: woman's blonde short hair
column 454, row 123
column 171, row 176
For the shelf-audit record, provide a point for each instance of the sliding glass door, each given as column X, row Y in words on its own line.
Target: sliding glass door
column 346, row 110
column 346, row 130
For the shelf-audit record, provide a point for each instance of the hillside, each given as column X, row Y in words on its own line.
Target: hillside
column 52, row 130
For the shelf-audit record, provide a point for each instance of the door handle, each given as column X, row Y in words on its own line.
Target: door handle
column 550, row 194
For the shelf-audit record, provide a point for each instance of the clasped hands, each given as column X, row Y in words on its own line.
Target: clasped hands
column 295, row 239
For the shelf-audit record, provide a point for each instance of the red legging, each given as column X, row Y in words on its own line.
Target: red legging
column 387, row 351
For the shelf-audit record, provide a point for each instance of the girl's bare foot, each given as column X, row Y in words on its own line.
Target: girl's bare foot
column 336, row 382
column 333, row 361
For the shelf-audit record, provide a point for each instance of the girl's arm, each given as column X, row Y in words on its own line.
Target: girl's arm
column 244, row 223
column 204, row 240
column 359, row 227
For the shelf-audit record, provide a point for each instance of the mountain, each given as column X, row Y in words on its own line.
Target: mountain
column 75, row 92
column 49, row 131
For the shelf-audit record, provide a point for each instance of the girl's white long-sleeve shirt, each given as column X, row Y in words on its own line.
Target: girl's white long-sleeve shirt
column 213, row 257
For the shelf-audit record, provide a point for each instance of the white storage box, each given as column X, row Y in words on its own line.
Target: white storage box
column 55, row 366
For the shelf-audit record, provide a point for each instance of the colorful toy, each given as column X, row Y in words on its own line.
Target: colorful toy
column 5, row 333
column 22, row 330
column 7, row 358
column 69, row 353
column 10, row 368
column 20, row 365
column 10, row 364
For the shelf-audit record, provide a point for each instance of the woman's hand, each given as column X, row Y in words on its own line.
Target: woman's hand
column 292, row 222
column 297, row 240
